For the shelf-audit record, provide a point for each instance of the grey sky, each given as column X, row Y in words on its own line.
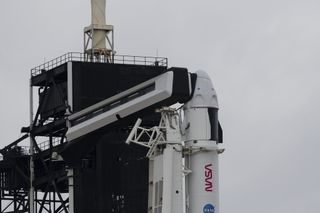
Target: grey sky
column 262, row 55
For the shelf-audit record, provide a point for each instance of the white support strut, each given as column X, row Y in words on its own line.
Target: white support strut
column 167, row 175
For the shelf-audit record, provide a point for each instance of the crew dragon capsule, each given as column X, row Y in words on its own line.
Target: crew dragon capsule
column 201, row 135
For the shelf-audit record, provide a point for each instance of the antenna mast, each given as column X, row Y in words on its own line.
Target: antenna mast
column 99, row 37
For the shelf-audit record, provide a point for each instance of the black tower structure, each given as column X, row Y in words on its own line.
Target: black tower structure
column 96, row 173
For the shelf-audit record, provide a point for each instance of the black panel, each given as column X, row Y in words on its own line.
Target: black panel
column 13, row 168
column 214, row 124
column 94, row 82
column 53, row 101
column 220, row 134
column 181, row 90
column 116, row 182
column 59, row 73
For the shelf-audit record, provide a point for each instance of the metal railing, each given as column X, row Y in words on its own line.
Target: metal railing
column 25, row 150
column 46, row 144
column 20, row 151
column 116, row 59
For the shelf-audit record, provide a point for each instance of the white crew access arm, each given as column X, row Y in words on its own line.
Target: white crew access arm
column 142, row 96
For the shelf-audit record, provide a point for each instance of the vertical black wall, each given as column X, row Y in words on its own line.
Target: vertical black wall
column 116, row 182
column 110, row 176
column 93, row 82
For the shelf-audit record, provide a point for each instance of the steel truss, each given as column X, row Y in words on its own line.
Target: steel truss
column 32, row 173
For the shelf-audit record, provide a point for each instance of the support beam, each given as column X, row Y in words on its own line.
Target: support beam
column 71, row 190
column 31, row 190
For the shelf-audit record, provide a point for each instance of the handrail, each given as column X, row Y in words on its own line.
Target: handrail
column 83, row 57
column 45, row 145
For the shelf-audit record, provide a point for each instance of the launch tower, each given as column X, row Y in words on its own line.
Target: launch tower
column 88, row 106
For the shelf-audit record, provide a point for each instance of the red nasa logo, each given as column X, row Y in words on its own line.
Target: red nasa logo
column 208, row 178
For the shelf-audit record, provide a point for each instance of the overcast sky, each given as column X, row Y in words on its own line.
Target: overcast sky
column 262, row 55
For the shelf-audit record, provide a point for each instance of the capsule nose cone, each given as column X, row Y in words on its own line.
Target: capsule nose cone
column 203, row 74
column 204, row 94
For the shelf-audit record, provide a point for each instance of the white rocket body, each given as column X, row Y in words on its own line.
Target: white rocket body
column 200, row 128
